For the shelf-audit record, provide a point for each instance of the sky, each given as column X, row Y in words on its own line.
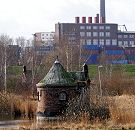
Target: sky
column 25, row 17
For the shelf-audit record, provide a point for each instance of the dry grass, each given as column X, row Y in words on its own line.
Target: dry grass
column 17, row 105
column 117, row 106
column 122, row 109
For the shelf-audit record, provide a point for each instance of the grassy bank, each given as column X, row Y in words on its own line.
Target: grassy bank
column 128, row 69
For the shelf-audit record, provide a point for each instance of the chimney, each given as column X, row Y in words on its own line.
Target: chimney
column 77, row 20
column 97, row 18
column 102, row 19
column 89, row 19
column 102, row 11
column 83, row 19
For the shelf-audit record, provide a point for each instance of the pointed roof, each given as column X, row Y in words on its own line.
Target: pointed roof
column 57, row 75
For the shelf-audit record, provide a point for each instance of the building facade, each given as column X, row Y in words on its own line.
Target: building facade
column 126, row 38
column 94, row 32
column 43, row 44
column 44, row 39
column 88, row 33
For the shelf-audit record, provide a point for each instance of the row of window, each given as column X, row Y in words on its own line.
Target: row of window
column 95, row 34
column 107, row 42
column 126, row 43
column 47, row 38
column 48, row 34
column 126, row 36
column 100, row 41
column 95, row 27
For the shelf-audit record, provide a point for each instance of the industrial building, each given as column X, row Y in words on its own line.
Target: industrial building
column 95, row 32
column 86, row 31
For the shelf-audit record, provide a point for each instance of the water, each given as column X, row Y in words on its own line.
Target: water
column 9, row 122
column 15, row 124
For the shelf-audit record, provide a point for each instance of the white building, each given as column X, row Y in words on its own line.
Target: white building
column 44, row 38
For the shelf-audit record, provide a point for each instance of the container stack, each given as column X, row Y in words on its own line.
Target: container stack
column 115, row 55
column 130, row 54
column 90, row 54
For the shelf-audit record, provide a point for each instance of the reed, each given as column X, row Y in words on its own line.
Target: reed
column 17, row 105
column 122, row 109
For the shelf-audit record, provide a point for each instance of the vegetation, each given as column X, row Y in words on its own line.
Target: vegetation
column 128, row 68
column 109, row 104
column 15, row 70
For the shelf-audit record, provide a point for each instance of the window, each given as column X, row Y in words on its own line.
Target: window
column 89, row 42
column 101, row 41
column 107, row 27
column 120, row 43
column 108, row 42
column 101, row 27
column 101, row 34
column 95, row 41
column 95, row 34
column 82, row 34
column 95, row 27
column 125, row 36
column 131, row 36
column 107, row 34
column 88, row 27
column 72, row 39
column 88, row 34
column 132, row 43
column 62, row 96
column 39, row 95
column 125, row 43
column 119, row 36
column 114, row 42
column 82, row 27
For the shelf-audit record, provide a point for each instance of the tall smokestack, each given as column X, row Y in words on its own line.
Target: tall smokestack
column 102, row 11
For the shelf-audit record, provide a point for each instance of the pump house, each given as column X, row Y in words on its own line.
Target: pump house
column 57, row 88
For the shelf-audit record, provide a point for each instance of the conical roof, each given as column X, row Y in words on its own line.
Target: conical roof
column 57, row 75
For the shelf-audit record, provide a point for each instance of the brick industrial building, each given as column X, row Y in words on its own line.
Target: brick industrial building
column 94, row 32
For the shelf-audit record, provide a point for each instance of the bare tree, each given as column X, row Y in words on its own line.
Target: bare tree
column 69, row 52
column 21, row 42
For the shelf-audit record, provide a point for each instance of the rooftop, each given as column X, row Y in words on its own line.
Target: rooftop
column 57, row 76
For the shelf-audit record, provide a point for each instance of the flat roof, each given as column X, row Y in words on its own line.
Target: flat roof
column 127, row 32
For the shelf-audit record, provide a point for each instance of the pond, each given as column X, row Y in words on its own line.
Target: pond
column 7, row 122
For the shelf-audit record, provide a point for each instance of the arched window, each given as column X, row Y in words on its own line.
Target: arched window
column 63, row 96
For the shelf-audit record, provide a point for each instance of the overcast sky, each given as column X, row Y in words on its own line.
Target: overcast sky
column 25, row 17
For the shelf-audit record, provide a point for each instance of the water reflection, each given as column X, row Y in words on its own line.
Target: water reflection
column 9, row 121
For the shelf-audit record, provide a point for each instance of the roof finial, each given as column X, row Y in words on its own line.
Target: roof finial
column 57, row 60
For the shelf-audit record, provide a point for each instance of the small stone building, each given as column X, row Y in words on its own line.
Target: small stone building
column 57, row 88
